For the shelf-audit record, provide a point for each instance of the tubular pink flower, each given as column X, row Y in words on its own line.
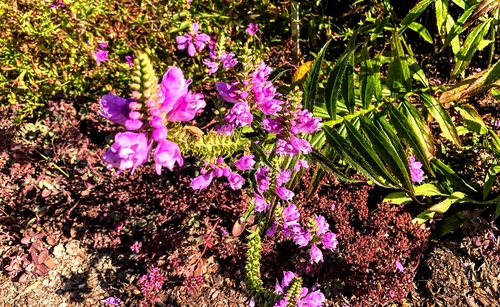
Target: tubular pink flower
column 202, row 181
column 114, row 108
column 186, row 107
column 173, row 86
column 128, row 151
column 166, row 154
column 316, row 254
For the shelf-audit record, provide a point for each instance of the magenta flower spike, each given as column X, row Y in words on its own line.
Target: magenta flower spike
column 166, row 154
column 417, row 174
column 128, row 151
column 114, row 108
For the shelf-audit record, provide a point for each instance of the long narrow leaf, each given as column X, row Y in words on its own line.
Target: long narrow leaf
column 351, row 156
column 331, row 168
column 410, row 128
column 413, row 14
column 311, row 83
column 447, row 173
column 334, row 84
column 367, row 151
column 388, row 153
column 442, row 116
column 366, row 78
column 470, row 46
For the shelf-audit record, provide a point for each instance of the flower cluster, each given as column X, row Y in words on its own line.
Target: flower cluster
column 280, row 117
column 225, row 59
column 318, row 232
column 151, row 283
column 193, row 41
column 217, row 170
column 306, row 298
column 417, row 174
column 150, row 111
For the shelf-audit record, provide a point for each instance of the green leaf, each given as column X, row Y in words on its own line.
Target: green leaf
column 449, row 225
column 395, row 160
column 348, row 86
column 469, row 47
column 367, row 151
column 446, row 173
column 444, row 205
column 311, row 83
column 423, row 217
column 398, row 75
column 422, row 31
column 413, row 14
column 472, row 119
column 417, row 73
column 376, row 77
column 426, row 189
column 490, row 179
column 327, row 165
column 441, row 13
column 347, row 153
column 367, row 78
column 335, row 79
column 316, row 180
column 495, row 140
column 411, row 127
column 457, row 28
column 442, row 117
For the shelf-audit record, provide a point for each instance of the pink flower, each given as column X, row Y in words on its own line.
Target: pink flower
column 321, row 225
column 101, row 56
column 417, row 174
column 284, row 193
column 186, row 107
column 260, row 203
column 166, row 155
column 283, row 177
column 114, row 108
column 311, row 299
column 128, row 151
column 252, row 29
column 136, row 247
column 130, row 60
column 245, row 163
column 236, row 182
column 193, row 41
column 113, row 301
column 399, row 267
column 202, row 181
column 329, row 240
column 315, row 254
column 173, row 86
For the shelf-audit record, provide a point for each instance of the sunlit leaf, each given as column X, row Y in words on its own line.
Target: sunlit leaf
column 435, row 108
column 311, row 83
column 469, row 47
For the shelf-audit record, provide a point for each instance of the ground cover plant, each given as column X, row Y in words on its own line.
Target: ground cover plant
column 249, row 154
